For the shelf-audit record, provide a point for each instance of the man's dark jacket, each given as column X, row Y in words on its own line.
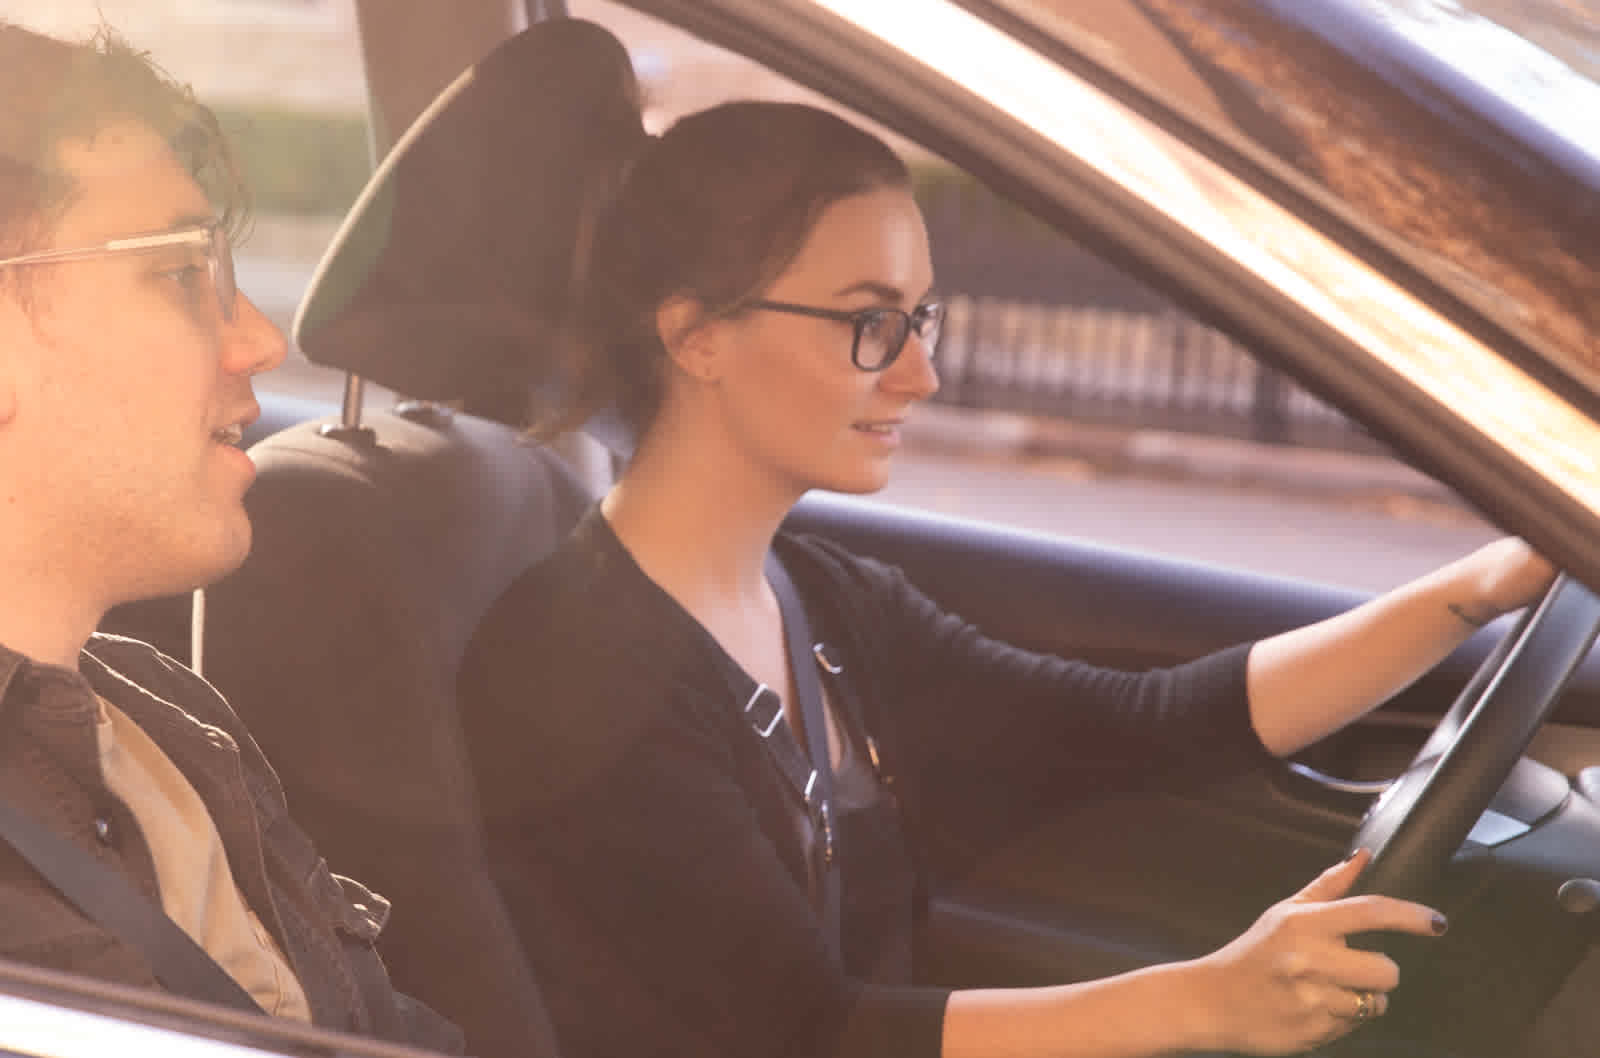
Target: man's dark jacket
column 50, row 770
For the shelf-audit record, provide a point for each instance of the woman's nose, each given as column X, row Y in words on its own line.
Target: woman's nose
column 912, row 373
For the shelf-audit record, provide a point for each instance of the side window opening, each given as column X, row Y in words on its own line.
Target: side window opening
column 1077, row 400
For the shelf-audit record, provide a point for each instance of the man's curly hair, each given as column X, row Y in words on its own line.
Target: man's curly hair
column 55, row 91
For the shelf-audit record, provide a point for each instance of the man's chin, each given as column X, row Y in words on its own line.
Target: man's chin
column 226, row 554
column 235, row 553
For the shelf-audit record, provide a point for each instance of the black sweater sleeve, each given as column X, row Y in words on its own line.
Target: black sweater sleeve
column 992, row 732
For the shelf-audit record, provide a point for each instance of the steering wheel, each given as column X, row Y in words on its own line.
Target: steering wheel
column 1420, row 821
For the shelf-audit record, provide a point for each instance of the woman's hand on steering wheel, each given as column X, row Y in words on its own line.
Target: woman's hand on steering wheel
column 1511, row 576
column 1291, row 981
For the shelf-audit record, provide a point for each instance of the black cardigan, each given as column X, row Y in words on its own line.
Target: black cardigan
column 647, row 847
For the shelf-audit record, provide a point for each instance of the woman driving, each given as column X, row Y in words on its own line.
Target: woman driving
column 649, row 726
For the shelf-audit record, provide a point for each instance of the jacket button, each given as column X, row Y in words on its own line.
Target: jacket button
column 102, row 830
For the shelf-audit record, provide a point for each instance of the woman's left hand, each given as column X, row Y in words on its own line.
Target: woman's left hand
column 1510, row 575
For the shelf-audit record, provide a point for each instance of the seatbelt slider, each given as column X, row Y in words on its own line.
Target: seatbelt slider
column 764, row 710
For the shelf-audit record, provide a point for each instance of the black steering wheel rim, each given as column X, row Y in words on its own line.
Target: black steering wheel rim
column 1417, row 825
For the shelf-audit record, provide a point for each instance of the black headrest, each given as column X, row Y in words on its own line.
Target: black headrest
column 455, row 265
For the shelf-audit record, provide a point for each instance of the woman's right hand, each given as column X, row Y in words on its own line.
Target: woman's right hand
column 1291, row 982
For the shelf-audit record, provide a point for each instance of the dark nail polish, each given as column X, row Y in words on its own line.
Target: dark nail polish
column 1350, row 855
column 1439, row 924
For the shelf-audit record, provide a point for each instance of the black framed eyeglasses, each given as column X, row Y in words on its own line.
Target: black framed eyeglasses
column 880, row 332
column 209, row 238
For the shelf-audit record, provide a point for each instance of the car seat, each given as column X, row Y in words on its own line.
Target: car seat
column 379, row 543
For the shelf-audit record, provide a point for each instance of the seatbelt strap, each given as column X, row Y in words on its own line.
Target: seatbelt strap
column 110, row 899
column 818, row 790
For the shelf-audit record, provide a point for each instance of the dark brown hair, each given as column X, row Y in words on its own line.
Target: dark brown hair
column 57, row 90
column 714, row 210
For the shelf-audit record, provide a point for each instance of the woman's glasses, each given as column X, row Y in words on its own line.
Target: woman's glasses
column 209, row 238
column 880, row 333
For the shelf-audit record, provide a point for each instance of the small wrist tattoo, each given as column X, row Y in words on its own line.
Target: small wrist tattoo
column 1470, row 618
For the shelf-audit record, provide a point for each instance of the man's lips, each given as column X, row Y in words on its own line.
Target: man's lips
column 233, row 432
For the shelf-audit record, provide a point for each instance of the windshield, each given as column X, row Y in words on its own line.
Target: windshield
column 1540, row 56
column 1465, row 131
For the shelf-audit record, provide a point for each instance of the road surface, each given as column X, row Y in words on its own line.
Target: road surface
column 1370, row 543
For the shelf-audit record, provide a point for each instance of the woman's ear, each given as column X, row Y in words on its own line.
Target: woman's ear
column 688, row 337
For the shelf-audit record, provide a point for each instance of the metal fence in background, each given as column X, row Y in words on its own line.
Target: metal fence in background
column 1043, row 325
column 1158, row 370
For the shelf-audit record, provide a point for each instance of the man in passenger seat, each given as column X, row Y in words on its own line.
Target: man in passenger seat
column 126, row 358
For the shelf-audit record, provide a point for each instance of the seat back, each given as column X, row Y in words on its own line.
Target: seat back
column 377, row 549
column 338, row 642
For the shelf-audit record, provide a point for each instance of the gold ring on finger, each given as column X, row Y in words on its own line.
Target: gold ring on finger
column 1366, row 1005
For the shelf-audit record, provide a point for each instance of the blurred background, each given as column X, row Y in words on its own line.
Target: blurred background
column 1074, row 399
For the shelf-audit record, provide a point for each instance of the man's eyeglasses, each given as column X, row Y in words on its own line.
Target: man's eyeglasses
column 880, row 333
column 209, row 238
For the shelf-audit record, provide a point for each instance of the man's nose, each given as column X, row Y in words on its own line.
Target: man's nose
column 251, row 342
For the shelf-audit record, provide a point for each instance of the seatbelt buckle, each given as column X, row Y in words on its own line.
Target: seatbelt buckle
column 821, row 819
column 764, row 710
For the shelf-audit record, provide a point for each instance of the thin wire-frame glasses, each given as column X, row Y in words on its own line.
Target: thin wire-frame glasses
column 880, row 332
column 209, row 238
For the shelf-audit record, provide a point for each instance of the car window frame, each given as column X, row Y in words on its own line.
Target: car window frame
column 1445, row 285
column 38, row 999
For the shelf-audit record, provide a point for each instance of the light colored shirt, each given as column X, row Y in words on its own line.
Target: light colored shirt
column 197, row 887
